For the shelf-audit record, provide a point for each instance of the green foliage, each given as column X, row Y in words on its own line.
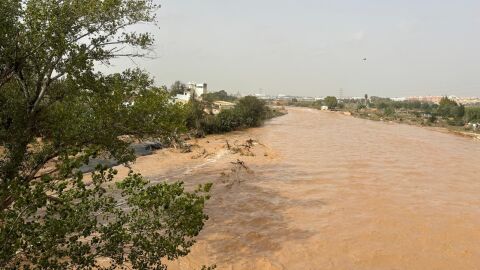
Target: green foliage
column 225, row 121
column 87, row 223
column 248, row 112
column 450, row 108
column 331, row 102
column 252, row 111
column 195, row 116
column 361, row 106
column 220, row 95
column 381, row 105
column 432, row 118
column 56, row 113
column 389, row 111
column 472, row 114
column 178, row 88
column 458, row 111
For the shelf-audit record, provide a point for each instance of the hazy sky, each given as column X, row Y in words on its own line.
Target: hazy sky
column 307, row 47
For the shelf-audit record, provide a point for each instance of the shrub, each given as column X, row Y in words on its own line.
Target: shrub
column 331, row 102
column 472, row 114
column 249, row 112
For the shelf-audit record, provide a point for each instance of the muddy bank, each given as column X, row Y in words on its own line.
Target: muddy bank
column 325, row 191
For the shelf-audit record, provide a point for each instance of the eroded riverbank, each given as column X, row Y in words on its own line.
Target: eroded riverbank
column 325, row 191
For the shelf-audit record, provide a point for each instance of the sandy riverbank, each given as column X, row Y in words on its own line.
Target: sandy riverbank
column 223, row 150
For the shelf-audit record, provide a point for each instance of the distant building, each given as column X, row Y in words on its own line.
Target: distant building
column 436, row 99
column 261, row 96
column 182, row 98
column 324, row 108
column 198, row 89
column 432, row 99
column 219, row 106
column 305, row 98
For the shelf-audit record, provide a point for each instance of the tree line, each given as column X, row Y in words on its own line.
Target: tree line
column 449, row 110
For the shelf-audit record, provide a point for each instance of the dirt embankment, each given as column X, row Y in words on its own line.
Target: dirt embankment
column 218, row 156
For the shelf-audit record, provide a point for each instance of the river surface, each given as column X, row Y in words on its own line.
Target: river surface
column 346, row 193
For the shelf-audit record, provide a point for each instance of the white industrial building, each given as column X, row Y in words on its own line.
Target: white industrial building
column 195, row 89
column 198, row 88
column 182, row 98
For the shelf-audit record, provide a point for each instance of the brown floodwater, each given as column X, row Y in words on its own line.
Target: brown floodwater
column 328, row 191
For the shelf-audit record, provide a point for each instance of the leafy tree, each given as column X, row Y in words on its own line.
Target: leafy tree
column 249, row 112
column 220, row 95
column 56, row 113
column 331, row 102
column 178, row 88
column 457, row 111
column 389, row 111
column 450, row 108
column 360, row 107
column 195, row 114
column 472, row 114
column 252, row 111
column 381, row 105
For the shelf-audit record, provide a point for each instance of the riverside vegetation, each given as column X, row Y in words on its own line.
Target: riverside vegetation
column 57, row 112
column 447, row 113
column 247, row 112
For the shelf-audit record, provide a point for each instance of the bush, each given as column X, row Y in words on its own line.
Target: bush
column 455, row 122
column 450, row 108
column 472, row 114
column 389, row 111
column 249, row 112
column 220, row 95
column 361, row 106
column 331, row 102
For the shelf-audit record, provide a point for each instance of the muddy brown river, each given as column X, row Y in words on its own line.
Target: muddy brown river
column 328, row 191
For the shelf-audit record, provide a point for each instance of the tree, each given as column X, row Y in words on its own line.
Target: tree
column 449, row 108
column 331, row 102
column 178, row 88
column 220, row 95
column 252, row 111
column 56, row 113
column 195, row 114
column 472, row 114
column 389, row 111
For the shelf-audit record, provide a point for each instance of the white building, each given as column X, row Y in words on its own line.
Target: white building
column 198, row 88
column 219, row 106
column 182, row 98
